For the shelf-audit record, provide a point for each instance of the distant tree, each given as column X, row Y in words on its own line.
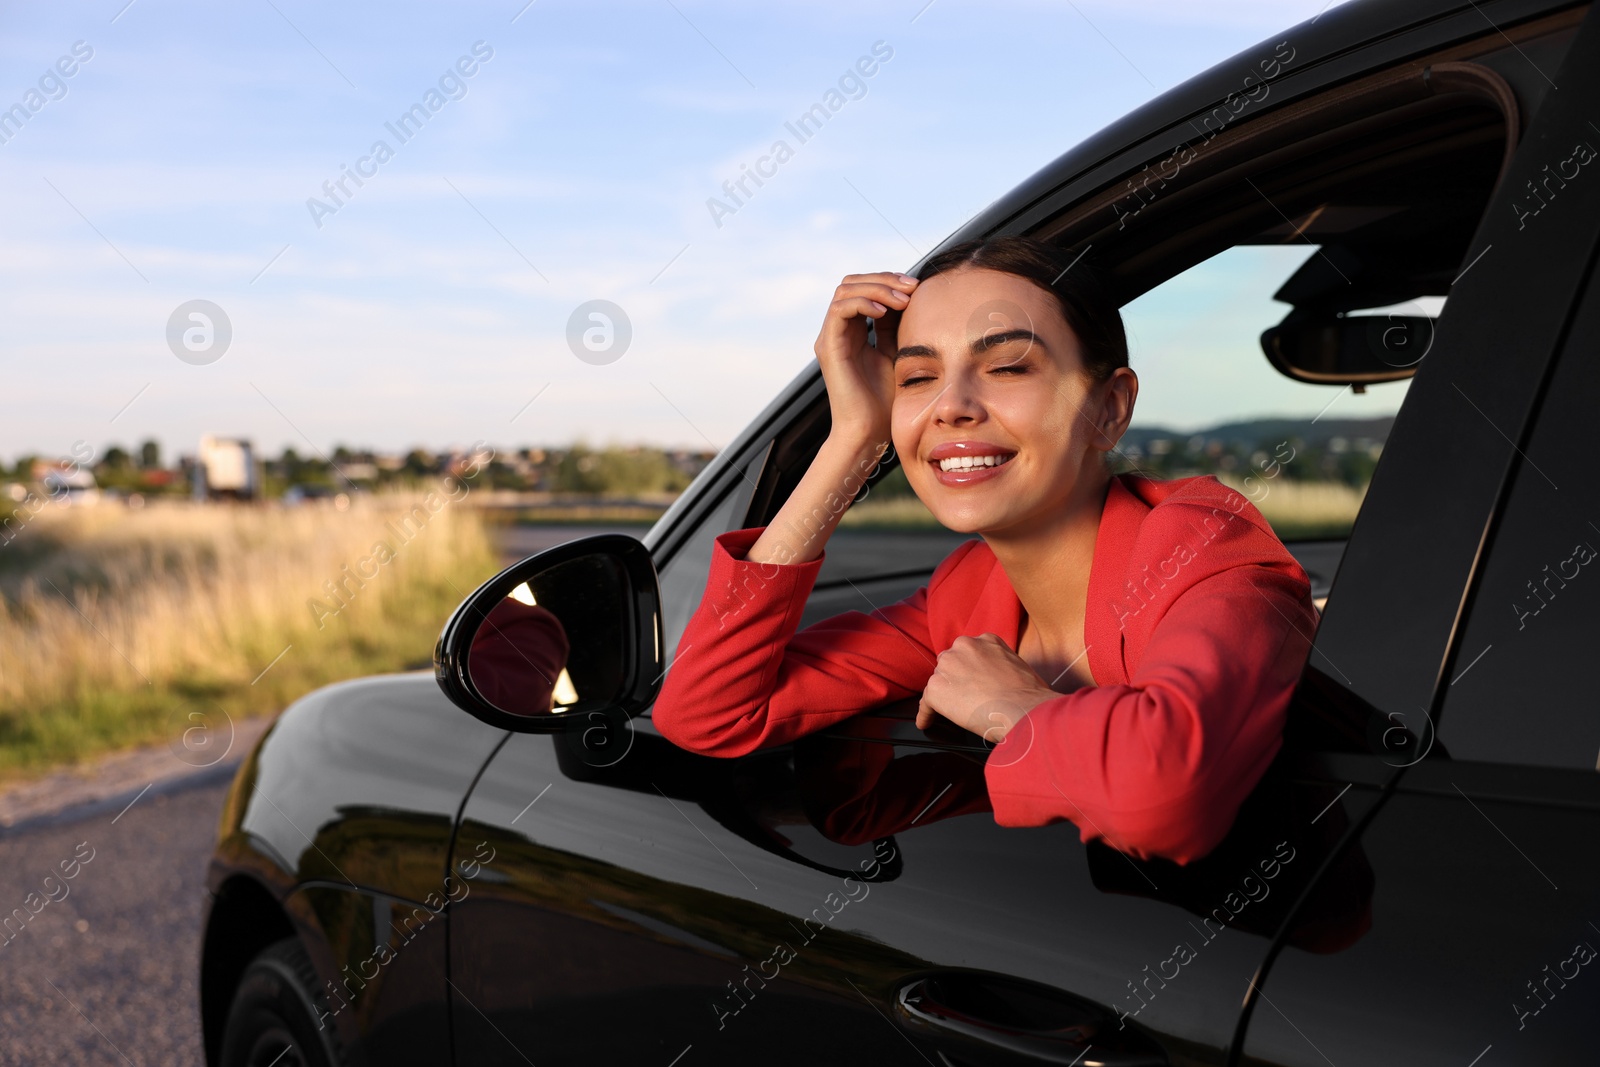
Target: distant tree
column 893, row 485
column 297, row 471
column 150, row 455
column 574, row 471
column 419, row 464
column 581, row 469
column 116, row 458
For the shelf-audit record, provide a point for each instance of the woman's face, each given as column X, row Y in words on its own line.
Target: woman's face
column 995, row 419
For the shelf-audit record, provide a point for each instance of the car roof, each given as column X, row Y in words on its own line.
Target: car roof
column 1317, row 40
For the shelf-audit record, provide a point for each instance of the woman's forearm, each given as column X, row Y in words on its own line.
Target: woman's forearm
column 800, row 529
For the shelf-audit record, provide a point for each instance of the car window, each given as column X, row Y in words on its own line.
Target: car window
column 1210, row 403
column 885, row 534
column 1519, row 690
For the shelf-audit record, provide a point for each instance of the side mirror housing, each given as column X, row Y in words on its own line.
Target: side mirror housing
column 573, row 630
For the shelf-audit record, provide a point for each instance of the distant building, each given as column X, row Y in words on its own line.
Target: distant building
column 70, row 485
column 226, row 469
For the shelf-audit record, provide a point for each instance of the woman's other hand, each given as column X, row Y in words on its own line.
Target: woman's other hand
column 982, row 686
column 860, row 377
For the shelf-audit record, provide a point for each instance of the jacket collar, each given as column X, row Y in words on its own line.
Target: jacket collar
column 998, row 610
column 1113, row 546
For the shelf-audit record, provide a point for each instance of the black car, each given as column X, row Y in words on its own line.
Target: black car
column 1416, row 880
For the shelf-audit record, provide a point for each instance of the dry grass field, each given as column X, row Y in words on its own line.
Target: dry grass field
column 1302, row 511
column 1298, row 511
column 120, row 627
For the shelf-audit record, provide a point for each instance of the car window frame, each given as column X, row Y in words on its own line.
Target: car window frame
column 1586, row 307
column 1423, row 526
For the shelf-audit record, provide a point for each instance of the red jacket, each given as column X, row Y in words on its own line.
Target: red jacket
column 1198, row 624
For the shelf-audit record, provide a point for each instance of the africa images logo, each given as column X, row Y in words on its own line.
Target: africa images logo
column 199, row 332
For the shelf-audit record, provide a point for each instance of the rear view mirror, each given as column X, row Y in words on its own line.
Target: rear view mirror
column 1352, row 349
column 573, row 630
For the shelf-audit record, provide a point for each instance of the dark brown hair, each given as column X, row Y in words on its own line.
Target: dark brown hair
column 1080, row 290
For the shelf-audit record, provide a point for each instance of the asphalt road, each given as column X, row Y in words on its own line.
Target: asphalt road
column 520, row 542
column 107, row 971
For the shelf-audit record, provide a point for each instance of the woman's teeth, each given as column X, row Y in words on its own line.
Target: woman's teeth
column 966, row 463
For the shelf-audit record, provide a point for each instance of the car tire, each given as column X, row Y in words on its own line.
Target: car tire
column 273, row 1018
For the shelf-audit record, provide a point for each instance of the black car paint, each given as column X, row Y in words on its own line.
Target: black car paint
column 651, row 891
column 344, row 814
column 377, row 772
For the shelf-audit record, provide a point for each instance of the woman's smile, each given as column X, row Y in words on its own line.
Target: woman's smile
column 959, row 463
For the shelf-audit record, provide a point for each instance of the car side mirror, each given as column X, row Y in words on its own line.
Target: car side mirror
column 573, row 630
column 1353, row 349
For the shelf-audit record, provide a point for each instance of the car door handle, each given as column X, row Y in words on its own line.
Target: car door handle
column 1025, row 1021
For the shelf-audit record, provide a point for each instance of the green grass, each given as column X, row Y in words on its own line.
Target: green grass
column 93, row 721
column 126, row 628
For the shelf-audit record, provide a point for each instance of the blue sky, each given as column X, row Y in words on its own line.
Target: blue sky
column 574, row 164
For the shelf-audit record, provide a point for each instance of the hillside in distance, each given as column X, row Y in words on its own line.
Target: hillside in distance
column 1265, row 433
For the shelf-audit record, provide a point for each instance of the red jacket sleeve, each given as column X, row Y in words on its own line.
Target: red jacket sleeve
column 743, row 679
column 1159, row 766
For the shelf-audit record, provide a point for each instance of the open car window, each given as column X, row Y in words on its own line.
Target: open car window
column 1209, row 403
column 1249, row 270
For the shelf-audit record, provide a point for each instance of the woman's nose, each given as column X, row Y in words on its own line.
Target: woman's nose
column 957, row 403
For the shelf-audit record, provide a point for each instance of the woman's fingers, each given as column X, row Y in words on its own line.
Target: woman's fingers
column 844, row 332
column 882, row 277
column 897, row 295
column 863, row 296
column 858, row 379
column 926, row 712
column 854, row 301
column 899, row 291
column 846, row 308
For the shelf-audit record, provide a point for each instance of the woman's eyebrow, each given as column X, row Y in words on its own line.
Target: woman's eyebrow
column 1003, row 337
column 979, row 344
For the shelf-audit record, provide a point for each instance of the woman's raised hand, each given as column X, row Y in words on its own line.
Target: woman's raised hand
column 859, row 377
column 860, row 381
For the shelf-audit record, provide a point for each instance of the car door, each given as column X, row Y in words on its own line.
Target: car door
column 848, row 898
column 1461, row 628
column 1032, row 946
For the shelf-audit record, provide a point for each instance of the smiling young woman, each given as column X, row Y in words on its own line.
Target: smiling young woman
column 1129, row 645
